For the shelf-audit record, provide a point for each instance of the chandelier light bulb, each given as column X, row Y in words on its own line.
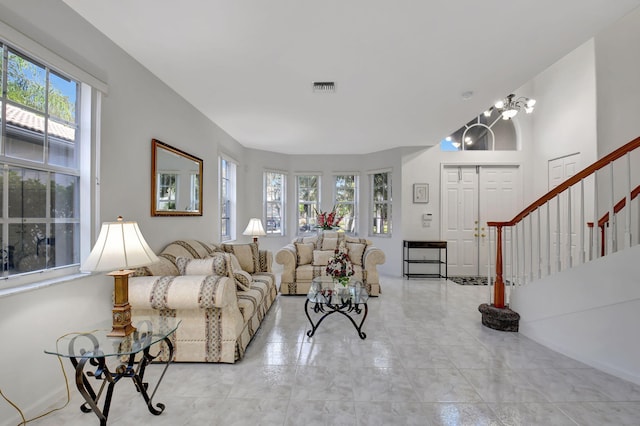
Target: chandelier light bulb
column 509, row 113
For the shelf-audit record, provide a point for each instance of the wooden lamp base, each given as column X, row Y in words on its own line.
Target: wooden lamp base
column 121, row 313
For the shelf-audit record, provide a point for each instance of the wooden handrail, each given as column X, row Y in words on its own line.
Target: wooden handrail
column 570, row 182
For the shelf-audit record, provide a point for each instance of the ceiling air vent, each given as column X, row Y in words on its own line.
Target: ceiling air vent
column 324, row 87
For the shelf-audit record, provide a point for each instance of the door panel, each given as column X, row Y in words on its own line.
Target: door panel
column 458, row 222
column 500, row 200
column 473, row 195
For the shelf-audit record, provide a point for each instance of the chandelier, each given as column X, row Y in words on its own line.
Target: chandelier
column 509, row 106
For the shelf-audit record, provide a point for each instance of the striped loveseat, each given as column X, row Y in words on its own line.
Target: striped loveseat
column 306, row 258
column 220, row 293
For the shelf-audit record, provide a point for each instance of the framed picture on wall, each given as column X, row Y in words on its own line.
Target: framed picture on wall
column 420, row 192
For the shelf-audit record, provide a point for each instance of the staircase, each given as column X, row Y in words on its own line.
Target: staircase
column 572, row 264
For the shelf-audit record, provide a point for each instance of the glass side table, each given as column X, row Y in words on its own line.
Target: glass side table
column 328, row 298
column 89, row 351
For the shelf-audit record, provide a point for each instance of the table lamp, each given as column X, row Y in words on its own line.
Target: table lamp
column 120, row 246
column 255, row 229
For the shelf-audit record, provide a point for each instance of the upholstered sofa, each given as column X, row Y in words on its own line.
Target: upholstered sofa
column 220, row 293
column 306, row 258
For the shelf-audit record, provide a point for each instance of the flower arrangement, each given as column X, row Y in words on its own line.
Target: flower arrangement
column 328, row 220
column 340, row 267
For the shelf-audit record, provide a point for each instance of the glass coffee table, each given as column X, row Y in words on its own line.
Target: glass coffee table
column 327, row 298
column 130, row 354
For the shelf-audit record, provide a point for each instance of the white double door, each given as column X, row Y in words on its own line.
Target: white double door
column 471, row 196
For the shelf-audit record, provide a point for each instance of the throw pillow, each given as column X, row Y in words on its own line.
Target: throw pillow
column 321, row 257
column 216, row 264
column 356, row 251
column 304, row 253
column 247, row 255
column 242, row 278
column 329, row 243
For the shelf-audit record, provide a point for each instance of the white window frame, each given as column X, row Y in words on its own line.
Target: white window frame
column 315, row 205
column 231, row 182
column 89, row 92
column 354, row 202
column 281, row 205
column 388, row 202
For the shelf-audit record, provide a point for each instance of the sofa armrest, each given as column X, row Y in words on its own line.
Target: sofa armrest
column 371, row 258
column 286, row 257
column 182, row 292
column 266, row 260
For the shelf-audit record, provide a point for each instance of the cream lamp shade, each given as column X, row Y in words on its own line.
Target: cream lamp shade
column 120, row 245
column 254, row 228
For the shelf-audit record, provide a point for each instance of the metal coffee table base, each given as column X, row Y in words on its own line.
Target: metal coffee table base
column 344, row 307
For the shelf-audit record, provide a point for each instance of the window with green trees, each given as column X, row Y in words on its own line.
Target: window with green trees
column 274, row 202
column 345, row 200
column 381, row 203
column 39, row 166
column 307, row 188
column 227, row 199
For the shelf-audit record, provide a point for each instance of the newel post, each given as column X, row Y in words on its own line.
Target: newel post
column 497, row 316
column 498, row 287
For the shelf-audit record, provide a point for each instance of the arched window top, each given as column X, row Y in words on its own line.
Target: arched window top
column 486, row 132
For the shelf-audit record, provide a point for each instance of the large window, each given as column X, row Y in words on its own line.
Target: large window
column 308, row 188
column 227, row 199
column 381, row 203
column 274, row 202
column 345, row 200
column 39, row 166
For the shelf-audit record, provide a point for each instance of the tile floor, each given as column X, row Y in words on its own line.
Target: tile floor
column 427, row 360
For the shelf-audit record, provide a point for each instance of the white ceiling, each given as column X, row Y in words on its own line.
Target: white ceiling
column 400, row 66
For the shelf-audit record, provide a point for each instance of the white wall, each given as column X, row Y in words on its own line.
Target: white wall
column 564, row 121
column 617, row 61
column 589, row 313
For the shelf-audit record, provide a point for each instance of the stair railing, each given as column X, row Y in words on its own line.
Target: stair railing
column 552, row 233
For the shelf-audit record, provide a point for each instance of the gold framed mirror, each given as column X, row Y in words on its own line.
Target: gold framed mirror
column 176, row 181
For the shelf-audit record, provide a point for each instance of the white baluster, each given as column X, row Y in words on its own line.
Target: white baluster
column 612, row 227
column 596, row 219
column 558, row 261
column 569, row 228
column 548, row 238
column 581, row 223
column 627, row 225
column 539, row 245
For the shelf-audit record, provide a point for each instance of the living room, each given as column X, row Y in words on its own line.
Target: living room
column 591, row 97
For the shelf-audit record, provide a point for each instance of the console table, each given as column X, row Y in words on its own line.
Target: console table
column 131, row 354
column 440, row 262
